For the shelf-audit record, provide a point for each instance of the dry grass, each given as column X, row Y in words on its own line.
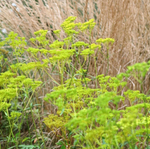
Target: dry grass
column 126, row 21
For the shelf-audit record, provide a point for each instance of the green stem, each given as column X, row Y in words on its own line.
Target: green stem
column 51, row 77
column 41, row 132
column 95, row 70
column 89, row 54
column 33, row 118
column 60, row 66
column 11, row 132
column 107, row 61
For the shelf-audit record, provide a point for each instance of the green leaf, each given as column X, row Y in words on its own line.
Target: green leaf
column 25, row 139
column 23, row 146
column 63, row 147
column 62, row 111
column 60, row 143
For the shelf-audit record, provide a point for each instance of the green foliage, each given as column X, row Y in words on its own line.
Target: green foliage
column 85, row 116
column 86, row 112
column 14, row 86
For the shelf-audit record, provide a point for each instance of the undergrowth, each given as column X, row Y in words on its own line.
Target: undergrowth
column 109, row 115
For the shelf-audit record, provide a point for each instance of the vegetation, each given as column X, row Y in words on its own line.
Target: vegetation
column 63, row 89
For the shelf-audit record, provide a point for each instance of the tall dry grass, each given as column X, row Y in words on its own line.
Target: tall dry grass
column 127, row 21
